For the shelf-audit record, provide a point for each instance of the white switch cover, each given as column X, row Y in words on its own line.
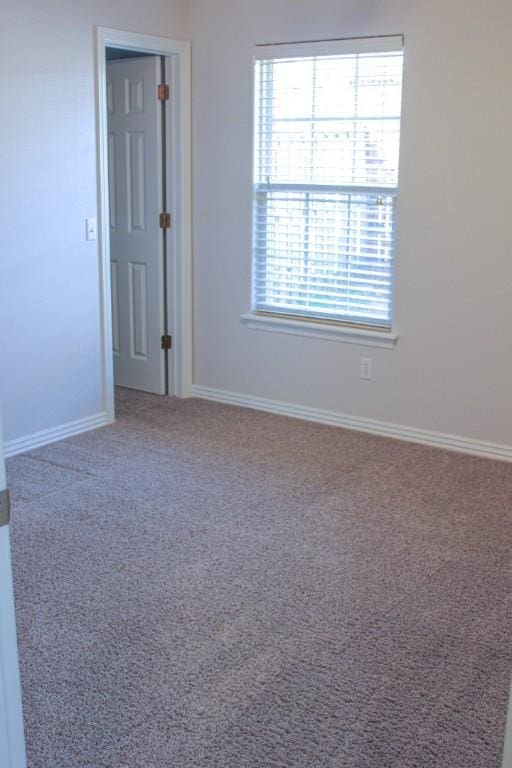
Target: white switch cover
column 91, row 230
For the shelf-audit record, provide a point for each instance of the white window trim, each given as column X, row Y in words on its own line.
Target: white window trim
column 292, row 326
column 307, row 326
column 340, row 47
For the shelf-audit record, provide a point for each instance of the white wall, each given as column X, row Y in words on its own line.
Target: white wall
column 49, row 293
column 452, row 368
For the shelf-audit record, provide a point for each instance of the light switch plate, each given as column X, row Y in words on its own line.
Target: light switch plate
column 91, row 229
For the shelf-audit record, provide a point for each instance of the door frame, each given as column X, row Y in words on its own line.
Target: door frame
column 178, row 158
column 12, row 736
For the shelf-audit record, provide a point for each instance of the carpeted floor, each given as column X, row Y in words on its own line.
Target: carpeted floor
column 201, row 586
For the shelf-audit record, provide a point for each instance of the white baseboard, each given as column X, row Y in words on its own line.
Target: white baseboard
column 23, row 444
column 382, row 428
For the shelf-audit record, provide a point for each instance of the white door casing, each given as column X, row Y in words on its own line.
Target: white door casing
column 134, row 118
column 179, row 238
column 12, row 740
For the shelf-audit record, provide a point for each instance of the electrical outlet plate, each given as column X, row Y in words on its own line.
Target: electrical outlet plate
column 366, row 368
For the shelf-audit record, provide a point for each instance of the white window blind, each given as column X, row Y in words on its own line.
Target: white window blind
column 327, row 134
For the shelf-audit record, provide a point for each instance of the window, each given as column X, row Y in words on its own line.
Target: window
column 327, row 132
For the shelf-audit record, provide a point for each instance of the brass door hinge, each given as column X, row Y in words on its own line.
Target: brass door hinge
column 5, row 507
column 165, row 220
column 166, row 341
column 163, row 92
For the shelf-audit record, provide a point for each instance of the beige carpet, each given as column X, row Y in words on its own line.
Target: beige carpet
column 201, row 586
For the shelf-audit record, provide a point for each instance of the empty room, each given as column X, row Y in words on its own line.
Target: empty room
column 256, row 384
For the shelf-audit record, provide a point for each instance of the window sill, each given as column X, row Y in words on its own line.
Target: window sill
column 326, row 331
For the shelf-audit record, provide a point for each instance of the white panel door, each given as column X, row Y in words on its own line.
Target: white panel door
column 136, row 240
column 12, row 742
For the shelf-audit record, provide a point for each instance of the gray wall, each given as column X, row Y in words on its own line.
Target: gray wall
column 452, row 368
column 49, row 292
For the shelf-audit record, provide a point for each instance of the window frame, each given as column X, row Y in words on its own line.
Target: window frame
column 308, row 324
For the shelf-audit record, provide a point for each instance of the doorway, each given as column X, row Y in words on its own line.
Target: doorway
column 137, row 102
column 143, row 109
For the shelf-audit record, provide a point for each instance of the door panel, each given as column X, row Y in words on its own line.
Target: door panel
column 136, row 240
column 135, row 181
column 115, row 306
column 112, row 202
column 138, row 311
